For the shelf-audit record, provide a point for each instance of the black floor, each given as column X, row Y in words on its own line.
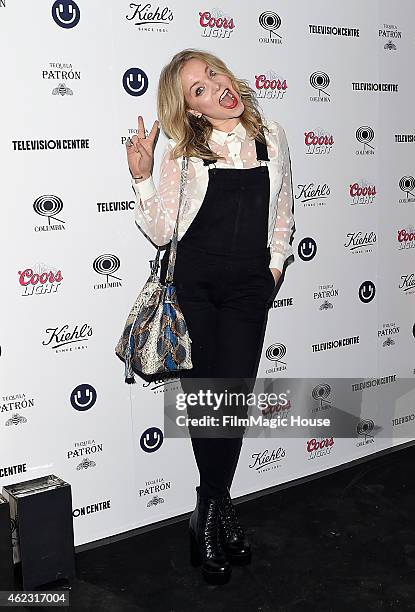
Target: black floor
column 345, row 541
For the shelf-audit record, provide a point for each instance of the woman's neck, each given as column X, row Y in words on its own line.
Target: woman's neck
column 226, row 125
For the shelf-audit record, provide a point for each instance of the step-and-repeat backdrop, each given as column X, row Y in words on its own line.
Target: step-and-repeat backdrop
column 75, row 76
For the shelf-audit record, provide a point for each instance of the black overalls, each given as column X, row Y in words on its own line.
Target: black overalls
column 224, row 287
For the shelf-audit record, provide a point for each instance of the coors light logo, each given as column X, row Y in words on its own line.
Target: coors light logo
column 318, row 142
column 270, row 85
column 318, row 447
column 216, row 24
column 406, row 238
column 39, row 280
column 362, row 192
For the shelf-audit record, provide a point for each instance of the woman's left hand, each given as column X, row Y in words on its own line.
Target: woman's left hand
column 276, row 274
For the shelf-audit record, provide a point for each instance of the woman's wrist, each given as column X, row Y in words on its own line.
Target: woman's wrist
column 141, row 177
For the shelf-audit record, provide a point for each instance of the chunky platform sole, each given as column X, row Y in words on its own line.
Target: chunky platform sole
column 196, row 561
column 239, row 559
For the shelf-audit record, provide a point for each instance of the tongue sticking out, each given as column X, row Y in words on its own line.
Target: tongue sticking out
column 228, row 100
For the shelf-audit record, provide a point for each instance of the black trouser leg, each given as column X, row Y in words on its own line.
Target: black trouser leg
column 216, row 460
column 217, row 457
column 227, row 337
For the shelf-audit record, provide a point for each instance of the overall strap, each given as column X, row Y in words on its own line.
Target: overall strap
column 261, row 153
column 261, row 150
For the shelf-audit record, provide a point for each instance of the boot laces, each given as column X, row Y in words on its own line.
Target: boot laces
column 211, row 532
column 229, row 519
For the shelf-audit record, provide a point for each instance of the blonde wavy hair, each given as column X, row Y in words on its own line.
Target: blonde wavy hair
column 190, row 133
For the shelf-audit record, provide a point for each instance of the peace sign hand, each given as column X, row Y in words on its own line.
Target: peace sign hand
column 140, row 150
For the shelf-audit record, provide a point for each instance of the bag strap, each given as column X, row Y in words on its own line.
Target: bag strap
column 174, row 240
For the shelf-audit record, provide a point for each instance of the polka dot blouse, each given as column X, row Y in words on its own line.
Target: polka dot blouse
column 156, row 206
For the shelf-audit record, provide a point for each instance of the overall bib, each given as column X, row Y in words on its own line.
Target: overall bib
column 224, row 287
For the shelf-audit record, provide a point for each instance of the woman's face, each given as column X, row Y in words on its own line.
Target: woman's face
column 209, row 93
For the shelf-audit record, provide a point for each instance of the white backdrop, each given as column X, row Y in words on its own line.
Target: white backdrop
column 67, row 215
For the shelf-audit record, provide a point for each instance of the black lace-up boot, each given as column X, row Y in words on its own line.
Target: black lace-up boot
column 232, row 534
column 205, row 548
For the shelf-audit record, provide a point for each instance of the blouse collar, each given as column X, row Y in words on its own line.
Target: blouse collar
column 220, row 137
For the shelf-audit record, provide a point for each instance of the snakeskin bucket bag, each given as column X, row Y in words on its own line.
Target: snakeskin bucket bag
column 155, row 339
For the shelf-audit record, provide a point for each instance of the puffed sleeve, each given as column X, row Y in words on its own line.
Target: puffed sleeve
column 280, row 246
column 156, row 208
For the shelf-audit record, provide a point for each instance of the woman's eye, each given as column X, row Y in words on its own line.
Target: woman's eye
column 198, row 90
column 212, row 72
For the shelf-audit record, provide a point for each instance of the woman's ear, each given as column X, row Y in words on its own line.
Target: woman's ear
column 195, row 113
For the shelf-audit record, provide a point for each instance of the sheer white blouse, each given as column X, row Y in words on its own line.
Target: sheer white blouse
column 156, row 207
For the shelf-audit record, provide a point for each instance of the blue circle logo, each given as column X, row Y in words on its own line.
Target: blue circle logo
column 135, row 81
column 367, row 291
column 66, row 13
column 151, row 439
column 307, row 249
column 83, row 397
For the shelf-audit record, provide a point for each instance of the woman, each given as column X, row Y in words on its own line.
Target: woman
column 234, row 235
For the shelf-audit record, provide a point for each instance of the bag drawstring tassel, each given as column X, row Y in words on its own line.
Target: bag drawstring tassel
column 128, row 371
